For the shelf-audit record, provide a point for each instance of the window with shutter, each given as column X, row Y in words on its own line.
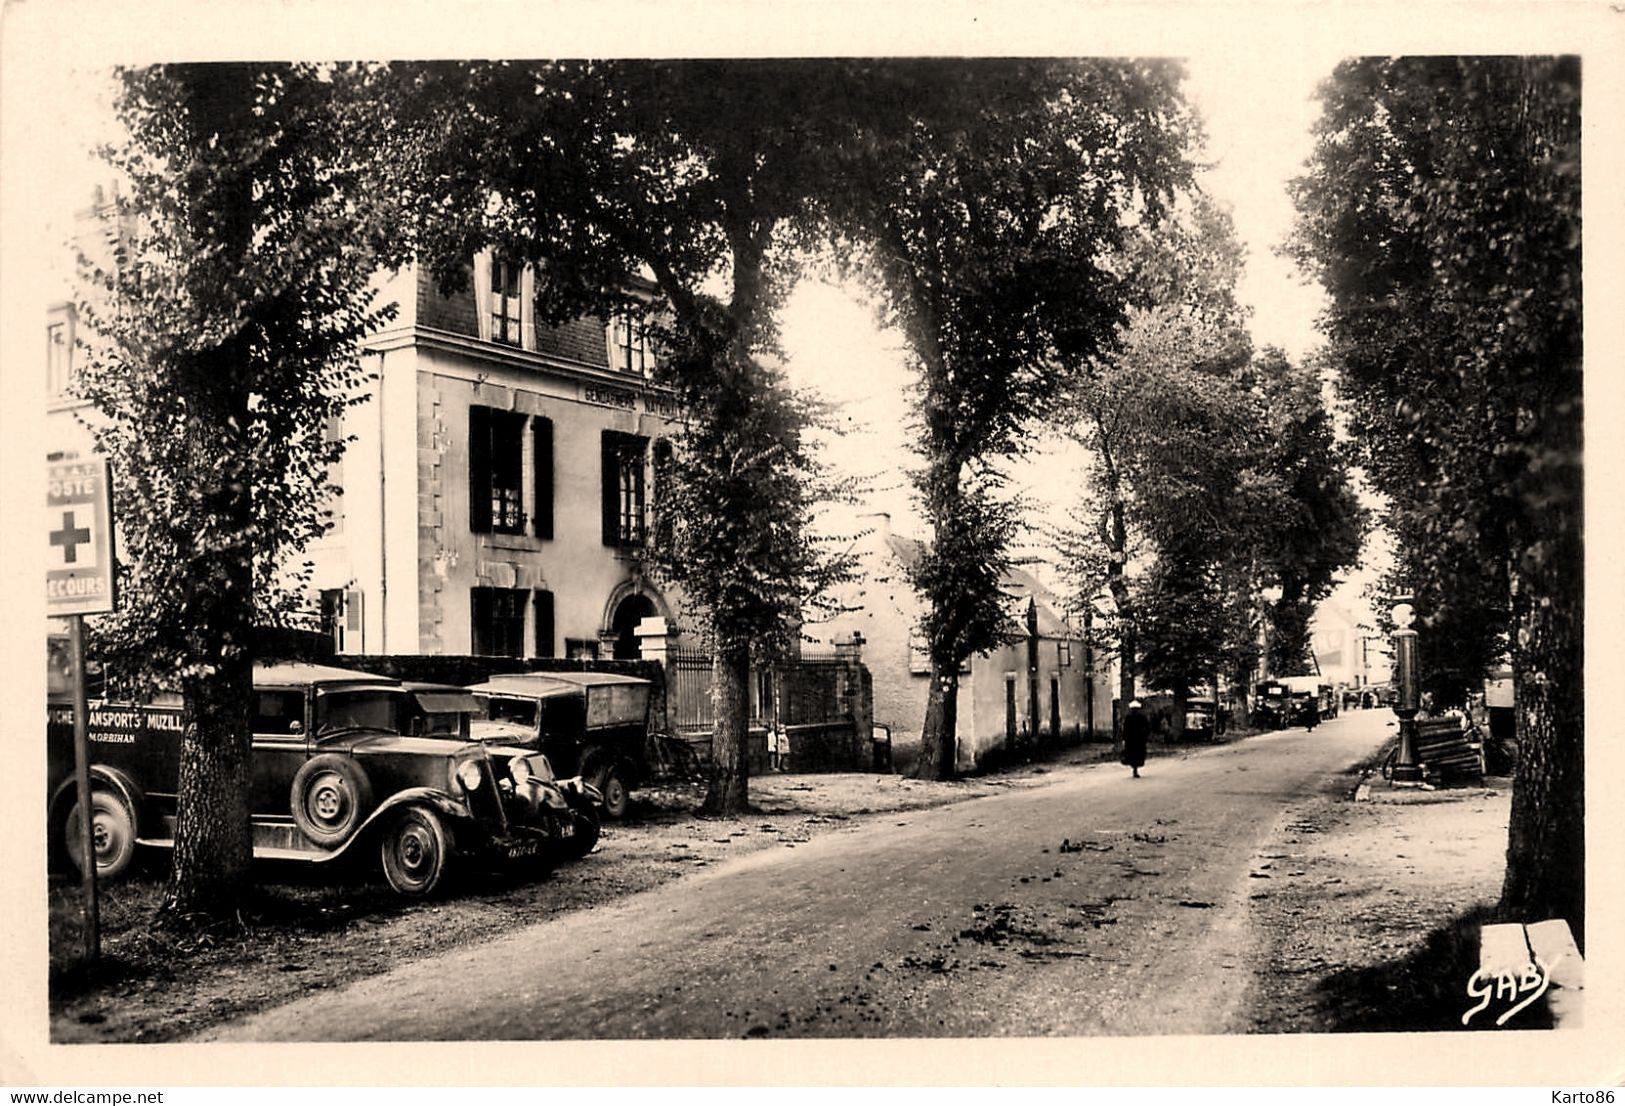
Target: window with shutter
column 507, row 469
column 498, row 617
column 495, row 471
column 59, row 364
column 623, row 488
column 663, row 461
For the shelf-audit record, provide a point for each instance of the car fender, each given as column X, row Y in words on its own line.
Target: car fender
column 443, row 802
column 440, row 801
column 113, row 779
column 577, row 790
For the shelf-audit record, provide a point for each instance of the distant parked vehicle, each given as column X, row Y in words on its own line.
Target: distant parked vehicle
column 340, row 760
column 1201, row 715
column 591, row 724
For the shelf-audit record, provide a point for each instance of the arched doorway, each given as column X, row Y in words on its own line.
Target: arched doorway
column 628, row 613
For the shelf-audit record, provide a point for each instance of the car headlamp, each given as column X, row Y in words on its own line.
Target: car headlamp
column 519, row 768
column 470, row 775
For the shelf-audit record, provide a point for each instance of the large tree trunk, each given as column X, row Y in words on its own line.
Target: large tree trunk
column 213, row 843
column 1242, row 718
column 729, row 790
column 1545, row 874
column 213, row 835
column 1117, row 583
column 939, row 734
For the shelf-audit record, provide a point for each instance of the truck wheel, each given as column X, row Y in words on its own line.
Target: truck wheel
column 415, row 852
column 330, row 797
column 611, row 783
column 112, row 834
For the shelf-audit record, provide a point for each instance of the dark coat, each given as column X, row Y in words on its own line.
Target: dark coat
column 1136, row 729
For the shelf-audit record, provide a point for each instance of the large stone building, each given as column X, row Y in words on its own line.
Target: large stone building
column 498, row 481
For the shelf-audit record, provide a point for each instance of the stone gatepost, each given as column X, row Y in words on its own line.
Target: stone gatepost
column 657, row 641
column 856, row 697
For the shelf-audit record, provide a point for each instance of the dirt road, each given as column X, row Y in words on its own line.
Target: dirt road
column 1096, row 904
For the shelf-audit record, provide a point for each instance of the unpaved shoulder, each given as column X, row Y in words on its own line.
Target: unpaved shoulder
column 1344, row 886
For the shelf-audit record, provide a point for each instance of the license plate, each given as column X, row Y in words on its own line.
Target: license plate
column 522, row 849
column 568, row 829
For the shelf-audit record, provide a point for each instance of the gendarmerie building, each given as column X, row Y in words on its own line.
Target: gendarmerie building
column 498, row 481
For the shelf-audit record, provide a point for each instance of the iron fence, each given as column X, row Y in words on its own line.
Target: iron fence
column 802, row 692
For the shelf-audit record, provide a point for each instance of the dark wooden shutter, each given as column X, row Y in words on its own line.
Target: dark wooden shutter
column 541, row 430
column 479, row 469
column 480, row 622
column 610, row 451
column 662, row 489
column 544, row 623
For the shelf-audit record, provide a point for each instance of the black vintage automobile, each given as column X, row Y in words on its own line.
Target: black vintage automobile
column 595, row 724
column 342, row 761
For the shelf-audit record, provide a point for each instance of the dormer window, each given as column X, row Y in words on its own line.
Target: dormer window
column 506, row 302
column 629, row 345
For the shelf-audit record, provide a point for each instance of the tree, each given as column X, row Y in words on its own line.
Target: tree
column 1314, row 526
column 225, row 318
column 982, row 217
column 704, row 175
column 1160, row 427
column 1441, row 212
column 1210, row 471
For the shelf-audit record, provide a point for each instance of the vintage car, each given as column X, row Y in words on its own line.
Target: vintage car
column 341, row 761
column 591, row 724
column 1199, row 717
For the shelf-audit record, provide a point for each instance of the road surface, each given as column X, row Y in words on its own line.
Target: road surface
column 1093, row 904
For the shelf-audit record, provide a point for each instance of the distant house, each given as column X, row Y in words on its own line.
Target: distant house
column 997, row 691
column 1347, row 652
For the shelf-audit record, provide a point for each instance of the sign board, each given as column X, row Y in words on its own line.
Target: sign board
column 79, row 564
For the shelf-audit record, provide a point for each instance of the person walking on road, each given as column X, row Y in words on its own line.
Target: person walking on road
column 1136, row 729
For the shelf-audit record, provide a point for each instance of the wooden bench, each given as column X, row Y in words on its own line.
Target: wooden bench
column 1512, row 950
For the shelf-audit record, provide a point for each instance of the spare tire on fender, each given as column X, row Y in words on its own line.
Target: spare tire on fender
column 330, row 798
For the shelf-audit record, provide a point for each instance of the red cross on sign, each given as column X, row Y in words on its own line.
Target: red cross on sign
column 79, row 564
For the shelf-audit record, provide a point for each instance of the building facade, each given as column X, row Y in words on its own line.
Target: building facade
column 497, row 482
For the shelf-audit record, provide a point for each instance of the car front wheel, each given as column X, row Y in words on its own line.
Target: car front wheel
column 416, row 851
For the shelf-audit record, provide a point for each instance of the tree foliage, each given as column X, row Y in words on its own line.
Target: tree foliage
column 986, row 199
column 225, row 307
column 1442, row 213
